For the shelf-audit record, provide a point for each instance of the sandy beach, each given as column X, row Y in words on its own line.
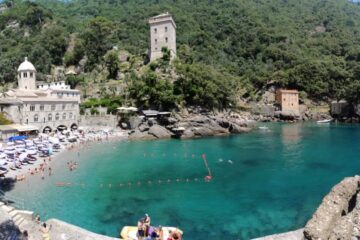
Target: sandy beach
column 45, row 163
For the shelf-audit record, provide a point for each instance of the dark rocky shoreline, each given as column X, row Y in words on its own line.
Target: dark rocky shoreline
column 190, row 125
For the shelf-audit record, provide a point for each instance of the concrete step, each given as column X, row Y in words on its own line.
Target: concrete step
column 13, row 213
column 19, row 221
column 7, row 208
column 23, row 225
column 15, row 218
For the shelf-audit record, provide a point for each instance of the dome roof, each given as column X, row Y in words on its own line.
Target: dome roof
column 26, row 66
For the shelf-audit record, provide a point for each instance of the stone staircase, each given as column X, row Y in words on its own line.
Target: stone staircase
column 13, row 214
column 22, row 220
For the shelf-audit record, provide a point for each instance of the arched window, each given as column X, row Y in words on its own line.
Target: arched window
column 50, row 117
column 166, row 39
column 64, row 116
column 36, row 118
column 166, row 29
column 70, row 115
column 57, row 116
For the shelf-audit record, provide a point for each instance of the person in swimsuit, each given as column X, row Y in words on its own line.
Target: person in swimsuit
column 141, row 229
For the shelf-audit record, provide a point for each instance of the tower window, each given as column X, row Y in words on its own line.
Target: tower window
column 155, row 41
column 166, row 29
column 31, row 74
column 155, row 30
column 32, row 108
column 166, row 39
column 25, row 75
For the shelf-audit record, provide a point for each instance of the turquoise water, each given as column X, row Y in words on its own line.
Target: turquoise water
column 274, row 184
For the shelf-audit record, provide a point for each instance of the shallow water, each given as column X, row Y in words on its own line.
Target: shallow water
column 274, row 184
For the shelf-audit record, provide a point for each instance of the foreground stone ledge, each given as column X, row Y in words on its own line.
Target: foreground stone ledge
column 293, row 235
column 333, row 218
column 62, row 230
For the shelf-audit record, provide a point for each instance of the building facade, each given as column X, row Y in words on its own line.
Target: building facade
column 288, row 100
column 162, row 34
column 48, row 107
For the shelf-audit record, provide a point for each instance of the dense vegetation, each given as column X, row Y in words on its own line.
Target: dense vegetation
column 223, row 45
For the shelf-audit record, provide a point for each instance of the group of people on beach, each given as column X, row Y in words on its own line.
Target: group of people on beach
column 40, row 169
column 147, row 232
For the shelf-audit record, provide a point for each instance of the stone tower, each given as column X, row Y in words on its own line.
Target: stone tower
column 162, row 34
column 27, row 75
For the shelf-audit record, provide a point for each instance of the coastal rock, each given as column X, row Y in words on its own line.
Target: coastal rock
column 199, row 119
column 234, row 128
column 333, row 211
column 143, row 128
column 137, row 135
column 159, row 132
column 188, row 133
column 203, row 131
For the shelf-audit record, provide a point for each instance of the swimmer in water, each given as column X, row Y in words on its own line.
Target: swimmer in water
column 229, row 161
column 220, row 160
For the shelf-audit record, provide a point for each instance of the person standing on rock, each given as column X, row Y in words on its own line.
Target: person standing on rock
column 45, row 232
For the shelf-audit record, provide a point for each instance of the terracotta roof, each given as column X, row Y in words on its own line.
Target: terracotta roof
column 288, row 91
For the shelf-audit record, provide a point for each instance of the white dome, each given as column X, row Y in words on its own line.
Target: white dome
column 26, row 66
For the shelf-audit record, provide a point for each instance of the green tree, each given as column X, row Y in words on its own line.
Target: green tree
column 112, row 63
column 96, row 40
column 74, row 80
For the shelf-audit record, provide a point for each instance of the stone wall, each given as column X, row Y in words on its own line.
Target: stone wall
column 106, row 121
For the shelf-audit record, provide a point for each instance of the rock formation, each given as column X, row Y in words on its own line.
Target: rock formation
column 338, row 216
column 188, row 125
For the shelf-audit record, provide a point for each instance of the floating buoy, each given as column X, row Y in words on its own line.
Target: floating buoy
column 208, row 178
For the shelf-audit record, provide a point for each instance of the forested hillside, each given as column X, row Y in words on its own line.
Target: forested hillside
column 223, row 45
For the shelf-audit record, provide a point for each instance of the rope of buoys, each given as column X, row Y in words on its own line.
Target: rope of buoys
column 130, row 184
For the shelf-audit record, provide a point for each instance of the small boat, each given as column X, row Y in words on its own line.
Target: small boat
column 130, row 232
column 263, row 128
column 324, row 121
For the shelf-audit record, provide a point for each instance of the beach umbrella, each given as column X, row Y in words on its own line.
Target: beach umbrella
column 23, row 156
column 3, row 162
column 2, row 155
column 31, row 151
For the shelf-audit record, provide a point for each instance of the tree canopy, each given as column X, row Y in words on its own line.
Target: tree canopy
column 310, row 45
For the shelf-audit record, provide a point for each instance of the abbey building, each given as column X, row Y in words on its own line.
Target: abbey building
column 46, row 108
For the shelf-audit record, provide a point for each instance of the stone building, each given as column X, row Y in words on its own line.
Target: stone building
column 162, row 34
column 47, row 107
column 288, row 100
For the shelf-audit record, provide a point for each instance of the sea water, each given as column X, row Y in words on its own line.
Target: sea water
column 264, row 182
